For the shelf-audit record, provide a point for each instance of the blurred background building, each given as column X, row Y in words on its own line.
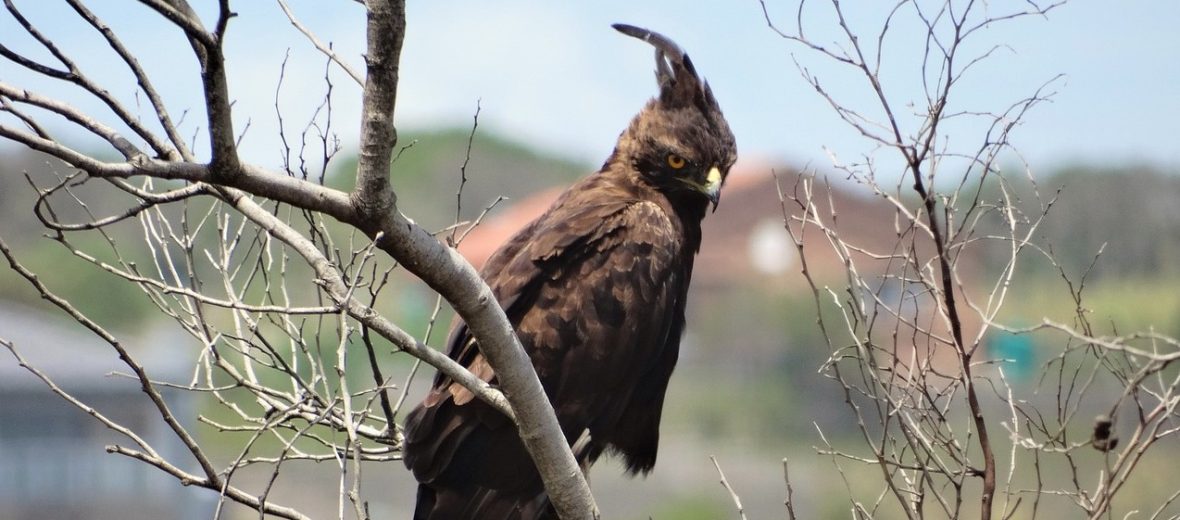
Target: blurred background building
column 52, row 458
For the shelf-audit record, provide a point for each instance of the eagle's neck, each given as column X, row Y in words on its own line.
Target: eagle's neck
column 687, row 208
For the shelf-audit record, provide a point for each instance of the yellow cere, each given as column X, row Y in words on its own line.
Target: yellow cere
column 714, row 178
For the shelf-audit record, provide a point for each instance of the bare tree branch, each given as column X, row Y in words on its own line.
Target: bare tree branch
column 243, row 351
column 908, row 332
column 321, row 46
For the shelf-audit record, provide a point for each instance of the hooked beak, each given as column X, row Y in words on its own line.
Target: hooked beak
column 712, row 187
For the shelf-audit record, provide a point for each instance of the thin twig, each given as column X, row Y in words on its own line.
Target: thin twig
column 737, row 501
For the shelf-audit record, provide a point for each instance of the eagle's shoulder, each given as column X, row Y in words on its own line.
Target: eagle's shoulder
column 648, row 212
column 649, row 220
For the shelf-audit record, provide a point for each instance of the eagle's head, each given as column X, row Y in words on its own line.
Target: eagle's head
column 680, row 142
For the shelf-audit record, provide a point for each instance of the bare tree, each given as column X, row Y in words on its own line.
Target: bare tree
column 275, row 275
column 908, row 330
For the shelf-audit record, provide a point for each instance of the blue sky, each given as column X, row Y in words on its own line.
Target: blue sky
column 554, row 74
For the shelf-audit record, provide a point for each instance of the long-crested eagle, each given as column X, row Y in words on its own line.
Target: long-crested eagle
column 596, row 289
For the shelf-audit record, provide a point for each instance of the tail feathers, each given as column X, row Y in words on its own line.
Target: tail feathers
column 481, row 504
column 426, row 499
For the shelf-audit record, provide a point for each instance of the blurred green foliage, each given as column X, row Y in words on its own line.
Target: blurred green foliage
column 430, row 167
column 691, row 507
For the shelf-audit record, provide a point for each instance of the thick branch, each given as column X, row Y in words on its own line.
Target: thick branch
column 448, row 273
column 372, row 209
column 386, row 30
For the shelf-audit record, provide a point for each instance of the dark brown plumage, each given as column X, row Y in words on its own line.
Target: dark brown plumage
column 596, row 290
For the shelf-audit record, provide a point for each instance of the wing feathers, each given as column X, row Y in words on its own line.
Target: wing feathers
column 591, row 288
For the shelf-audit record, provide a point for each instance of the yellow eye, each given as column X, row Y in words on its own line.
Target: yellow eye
column 675, row 161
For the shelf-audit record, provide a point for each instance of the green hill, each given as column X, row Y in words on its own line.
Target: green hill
column 427, row 173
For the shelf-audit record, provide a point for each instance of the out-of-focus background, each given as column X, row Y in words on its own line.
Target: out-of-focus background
column 553, row 86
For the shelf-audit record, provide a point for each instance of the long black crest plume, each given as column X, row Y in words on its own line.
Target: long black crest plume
column 679, row 83
column 659, row 41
